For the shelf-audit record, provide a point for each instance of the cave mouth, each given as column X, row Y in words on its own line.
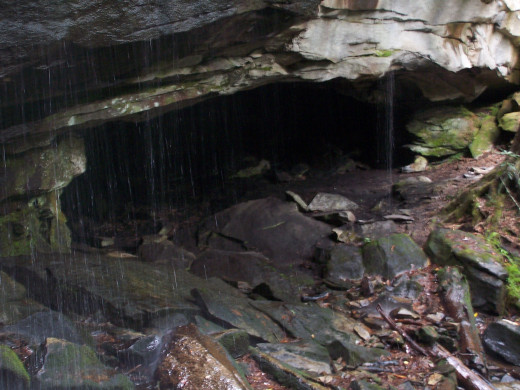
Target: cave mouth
column 184, row 161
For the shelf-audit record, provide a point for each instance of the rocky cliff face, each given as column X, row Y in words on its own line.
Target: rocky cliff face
column 75, row 65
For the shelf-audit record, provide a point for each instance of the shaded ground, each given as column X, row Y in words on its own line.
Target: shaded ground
column 372, row 190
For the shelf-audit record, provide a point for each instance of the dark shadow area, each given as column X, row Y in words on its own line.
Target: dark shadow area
column 189, row 156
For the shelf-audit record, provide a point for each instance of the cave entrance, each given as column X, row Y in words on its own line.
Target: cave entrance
column 184, row 161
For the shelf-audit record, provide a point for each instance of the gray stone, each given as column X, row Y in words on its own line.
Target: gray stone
column 127, row 292
column 46, row 324
column 502, row 338
column 345, row 263
column 273, row 227
column 326, row 327
column 302, row 355
column 364, row 385
column 144, row 351
column 375, row 230
column 427, row 334
column 165, row 252
column 415, row 188
column 232, row 309
column 254, row 268
column 284, row 373
column 331, row 202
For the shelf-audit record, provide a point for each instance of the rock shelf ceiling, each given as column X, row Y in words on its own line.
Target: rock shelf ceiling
column 83, row 65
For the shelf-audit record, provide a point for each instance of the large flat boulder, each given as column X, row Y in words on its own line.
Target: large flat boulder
column 127, row 292
column 270, row 226
column 443, row 131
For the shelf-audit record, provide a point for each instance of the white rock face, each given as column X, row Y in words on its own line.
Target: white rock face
column 361, row 38
column 448, row 50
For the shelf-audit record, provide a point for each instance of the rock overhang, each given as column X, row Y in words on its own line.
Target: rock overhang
column 449, row 52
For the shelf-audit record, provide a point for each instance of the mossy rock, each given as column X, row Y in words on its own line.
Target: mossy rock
column 13, row 375
column 456, row 247
column 235, row 341
column 510, row 122
column 68, row 365
column 391, row 255
column 479, row 261
column 36, row 226
column 443, row 131
column 485, row 137
column 44, row 170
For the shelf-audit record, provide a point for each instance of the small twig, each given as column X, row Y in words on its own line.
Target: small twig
column 468, row 378
column 133, row 369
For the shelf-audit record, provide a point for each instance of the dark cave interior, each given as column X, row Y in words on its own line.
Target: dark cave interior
column 189, row 156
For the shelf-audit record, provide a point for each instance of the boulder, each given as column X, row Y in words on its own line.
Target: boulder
column 415, row 188
column 258, row 271
column 193, row 361
column 36, row 328
column 144, row 351
column 388, row 256
column 420, row 164
column 481, row 264
column 502, row 339
column 126, row 292
column 331, row 202
column 375, row 230
column 443, row 131
column 165, row 252
column 273, row 227
column 233, row 309
column 457, row 301
column 68, row 365
column 344, row 264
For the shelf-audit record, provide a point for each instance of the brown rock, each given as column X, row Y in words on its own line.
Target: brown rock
column 193, row 361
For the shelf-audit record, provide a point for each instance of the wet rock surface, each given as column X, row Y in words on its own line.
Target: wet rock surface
column 502, row 338
column 310, row 321
column 194, row 361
